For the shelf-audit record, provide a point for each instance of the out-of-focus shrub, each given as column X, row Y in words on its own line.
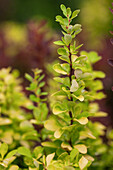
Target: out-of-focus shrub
column 96, row 19
column 26, row 47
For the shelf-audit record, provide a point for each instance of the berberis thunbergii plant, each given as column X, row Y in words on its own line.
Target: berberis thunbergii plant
column 67, row 139
column 71, row 129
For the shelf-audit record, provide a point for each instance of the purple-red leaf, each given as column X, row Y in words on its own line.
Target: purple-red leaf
column 111, row 32
column 111, row 10
column 111, row 41
column 112, row 88
column 110, row 62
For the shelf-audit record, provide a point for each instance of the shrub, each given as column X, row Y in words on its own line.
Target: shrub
column 66, row 139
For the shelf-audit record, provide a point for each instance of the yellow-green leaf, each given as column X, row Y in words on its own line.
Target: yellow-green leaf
column 49, row 144
column 58, row 133
column 81, row 98
column 59, row 69
column 5, row 121
column 57, row 109
column 52, row 124
column 24, row 151
column 83, row 162
column 82, row 120
column 75, row 13
column 89, row 158
column 100, row 114
column 73, row 58
column 74, row 87
column 81, row 148
column 9, row 160
column 49, row 158
column 66, row 145
column 86, row 134
column 67, row 39
column 3, row 149
column 14, row 167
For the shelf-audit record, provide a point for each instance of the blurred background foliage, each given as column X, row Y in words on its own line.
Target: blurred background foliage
column 28, row 29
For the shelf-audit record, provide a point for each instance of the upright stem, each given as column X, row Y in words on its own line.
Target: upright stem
column 71, row 73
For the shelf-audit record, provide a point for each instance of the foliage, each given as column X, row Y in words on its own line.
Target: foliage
column 14, row 118
column 110, row 61
column 66, row 139
column 96, row 24
column 24, row 47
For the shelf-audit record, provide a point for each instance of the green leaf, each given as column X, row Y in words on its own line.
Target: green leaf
column 74, row 87
column 77, row 28
column 42, row 84
column 28, row 77
column 24, row 151
column 63, row 8
column 11, row 153
column 26, row 126
column 75, row 13
column 66, row 23
column 92, row 56
column 38, row 152
column 59, row 19
column 83, row 162
column 100, row 114
column 68, row 12
column 67, row 39
column 70, row 29
column 50, row 144
column 78, row 46
column 62, row 51
column 44, row 93
column 57, row 109
column 58, row 79
column 66, row 67
column 73, row 154
column 65, row 58
column 41, row 78
column 63, row 156
column 82, row 58
column 58, row 68
column 98, row 74
column 69, row 168
column 3, row 149
column 86, row 134
column 59, row 43
column 73, row 58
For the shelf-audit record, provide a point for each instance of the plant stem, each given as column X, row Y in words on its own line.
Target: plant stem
column 71, row 73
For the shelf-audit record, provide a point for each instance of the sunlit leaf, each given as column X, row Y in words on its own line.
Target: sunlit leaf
column 81, row 148
column 74, row 87
column 66, row 145
column 82, row 120
column 24, row 151
column 3, row 149
column 49, row 158
column 75, row 13
column 83, row 162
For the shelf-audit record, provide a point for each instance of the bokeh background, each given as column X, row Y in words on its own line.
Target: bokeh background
column 28, row 29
